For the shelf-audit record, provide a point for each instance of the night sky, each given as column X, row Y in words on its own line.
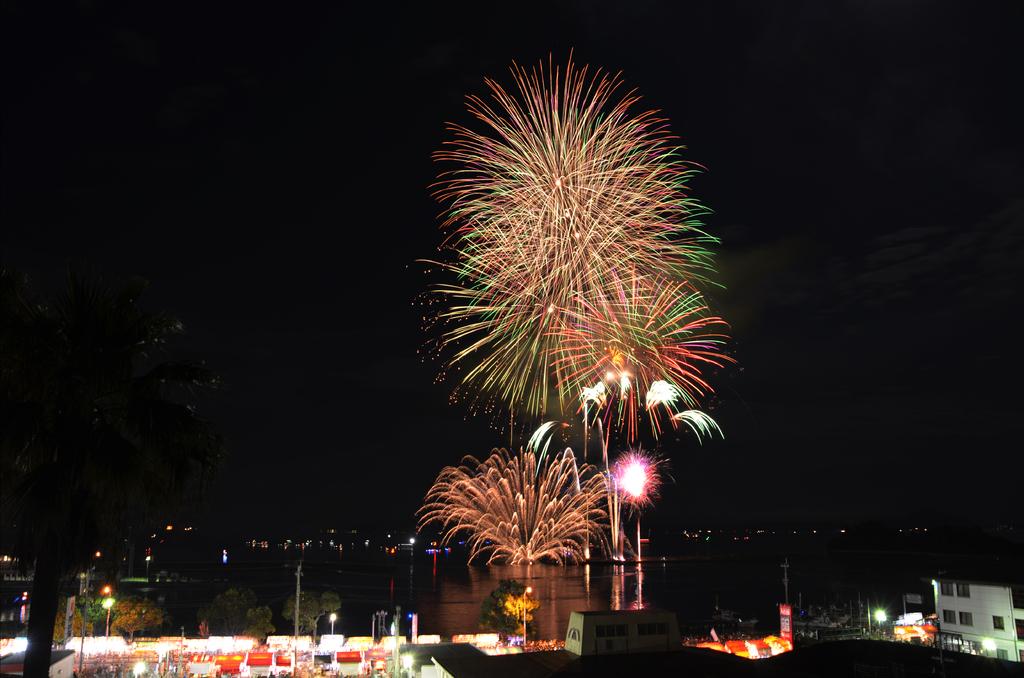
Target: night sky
column 266, row 167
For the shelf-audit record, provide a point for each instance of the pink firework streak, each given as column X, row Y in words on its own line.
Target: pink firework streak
column 638, row 477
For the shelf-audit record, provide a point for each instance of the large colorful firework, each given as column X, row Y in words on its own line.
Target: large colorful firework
column 646, row 345
column 516, row 509
column 560, row 200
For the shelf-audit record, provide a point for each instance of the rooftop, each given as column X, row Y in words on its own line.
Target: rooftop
column 623, row 613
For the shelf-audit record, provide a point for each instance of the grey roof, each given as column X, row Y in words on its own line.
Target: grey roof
column 19, row 657
column 528, row 665
column 623, row 613
column 424, row 654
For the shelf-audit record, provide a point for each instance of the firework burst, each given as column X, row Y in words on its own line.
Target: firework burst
column 516, row 509
column 638, row 477
column 562, row 197
column 649, row 343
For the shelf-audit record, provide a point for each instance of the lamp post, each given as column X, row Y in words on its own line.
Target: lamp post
column 333, row 618
column 528, row 591
column 148, row 559
column 108, row 603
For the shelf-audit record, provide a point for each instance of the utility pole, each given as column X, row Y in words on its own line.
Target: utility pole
column 83, row 590
column 785, row 577
column 295, row 638
column 394, row 635
column 181, row 654
column 938, row 622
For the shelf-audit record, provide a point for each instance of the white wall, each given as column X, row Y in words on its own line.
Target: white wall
column 985, row 601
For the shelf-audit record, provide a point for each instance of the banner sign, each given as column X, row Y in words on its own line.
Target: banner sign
column 786, row 622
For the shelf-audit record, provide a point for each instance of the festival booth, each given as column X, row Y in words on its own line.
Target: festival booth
column 282, row 663
column 361, row 643
column 487, row 642
column 200, row 665
column 754, row 648
column 349, row 663
column 428, row 639
column 923, row 634
column 229, row 664
column 377, row 657
column 258, row 664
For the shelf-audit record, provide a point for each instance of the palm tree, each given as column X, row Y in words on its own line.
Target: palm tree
column 95, row 433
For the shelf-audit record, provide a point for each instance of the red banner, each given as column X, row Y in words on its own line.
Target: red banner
column 786, row 622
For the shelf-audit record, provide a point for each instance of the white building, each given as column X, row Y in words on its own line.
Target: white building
column 621, row 631
column 981, row 617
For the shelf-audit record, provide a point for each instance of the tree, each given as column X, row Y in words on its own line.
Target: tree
column 502, row 611
column 95, row 433
column 89, row 611
column 135, row 614
column 259, row 622
column 92, row 610
column 58, row 624
column 312, row 606
column 226, row 615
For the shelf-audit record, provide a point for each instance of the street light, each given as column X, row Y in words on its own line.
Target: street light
column 333, row 618
column 528, row 591
column 148, row 559
column 880, row 616
column 107, row 604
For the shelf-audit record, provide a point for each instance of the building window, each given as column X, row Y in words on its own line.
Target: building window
column 966, row 619
column 946, row 588
column 611, row 630
column 652, row 629
column 1020, row 628
column 963, row 590
column 948, row 616
column 1018, row 598
column 1001, row 654
column 997, row 623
